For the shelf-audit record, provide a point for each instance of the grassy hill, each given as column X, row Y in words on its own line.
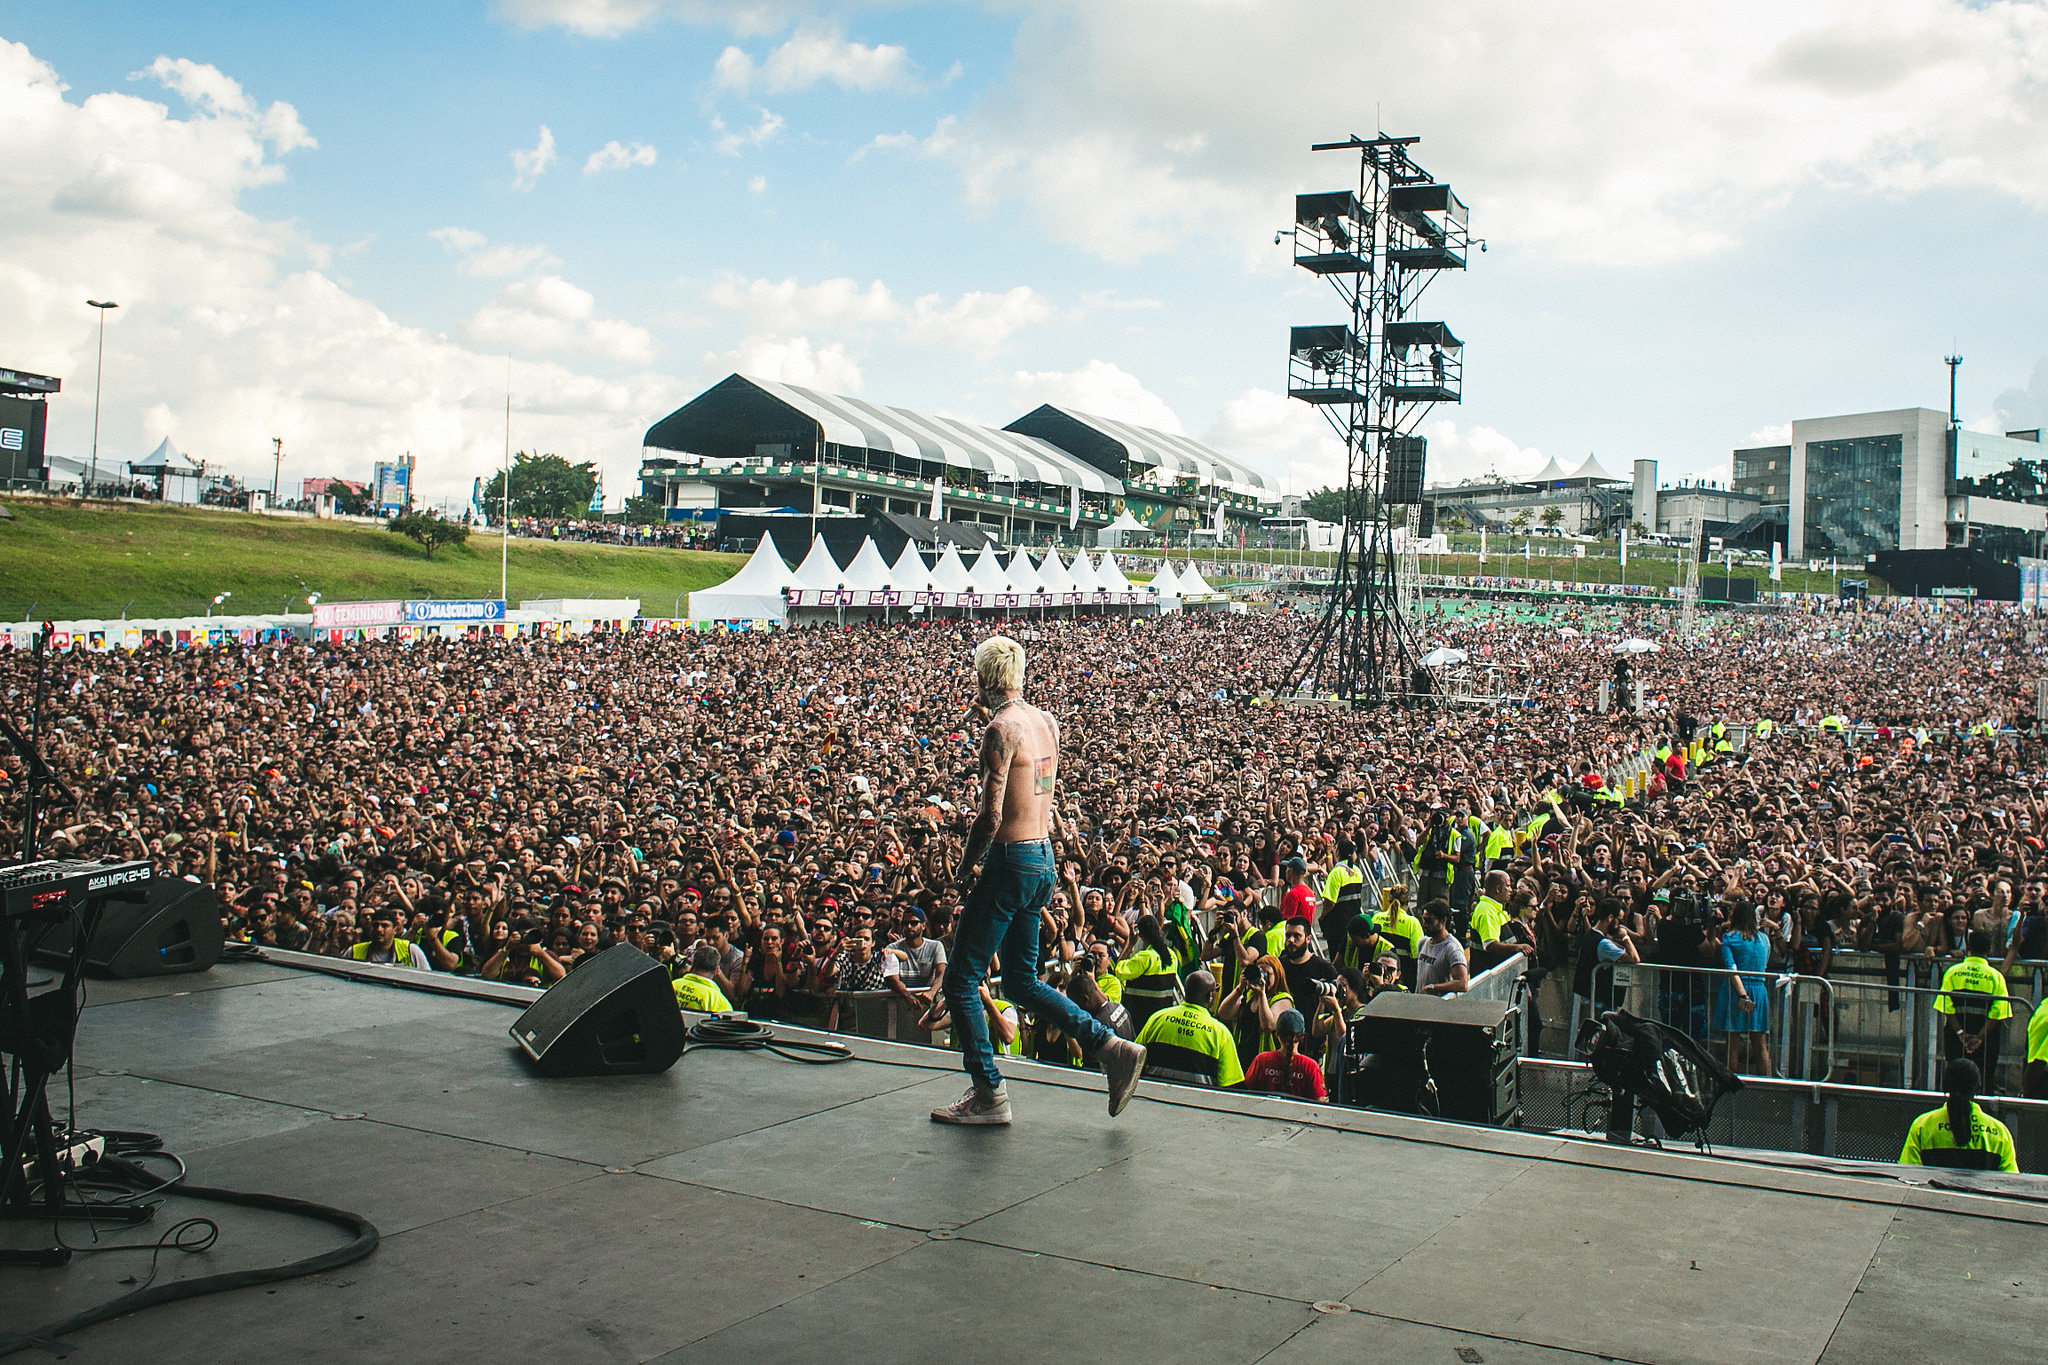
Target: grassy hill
column 66, row 561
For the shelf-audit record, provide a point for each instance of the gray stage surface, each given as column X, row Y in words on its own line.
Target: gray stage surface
column 744, row 1208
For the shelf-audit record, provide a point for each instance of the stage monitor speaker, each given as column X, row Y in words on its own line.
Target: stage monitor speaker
column 1470, row 1045
column 175, row 930
column 1406, row 456
column 614, row 1015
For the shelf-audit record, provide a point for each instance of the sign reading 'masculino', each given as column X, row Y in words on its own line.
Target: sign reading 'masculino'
column 434, row 612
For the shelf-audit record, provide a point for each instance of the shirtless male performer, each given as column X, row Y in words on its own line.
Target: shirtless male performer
column 1019, row 765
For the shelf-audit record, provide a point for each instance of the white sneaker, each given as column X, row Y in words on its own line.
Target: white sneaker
column 977, row 1106
column 1123, row 1061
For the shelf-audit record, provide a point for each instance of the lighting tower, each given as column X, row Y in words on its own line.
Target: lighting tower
column 1374, row 376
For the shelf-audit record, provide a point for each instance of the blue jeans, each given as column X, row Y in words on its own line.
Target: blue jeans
column 1002, row 913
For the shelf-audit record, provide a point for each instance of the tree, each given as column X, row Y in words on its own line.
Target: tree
column 1552, row 515
column 1520, row 520
column 350, row 502
column 429, row 530
column 1452, row 520
column 543, row 486
column 1325, row 504
column 644, row 510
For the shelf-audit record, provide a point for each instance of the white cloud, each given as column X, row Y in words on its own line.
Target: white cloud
column 773, row 306
column 1294, row 442
column 790, row 360
column 478, row 257
column 816, row 53
column 549, row 315
column 1600, row 130
column 732, row 141
column 224, row 338
column 757, row 185
column 1775, row 434
column 976, row 321
column 206, row 89
column 610, row 18
column 530, row 165
column 614, row 156
column 1097, row 388
column 2025, row 409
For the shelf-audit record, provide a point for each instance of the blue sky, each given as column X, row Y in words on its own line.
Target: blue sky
column 1700, row 226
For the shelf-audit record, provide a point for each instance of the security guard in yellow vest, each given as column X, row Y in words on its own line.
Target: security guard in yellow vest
column 1973, row 1001
column 1986, row 1143
column 1151, row 974
column 1764, row 728
column 695, row 990
column 1491, row 912
column 2034, row 1081
column 1186, row 1043
column 386, row 947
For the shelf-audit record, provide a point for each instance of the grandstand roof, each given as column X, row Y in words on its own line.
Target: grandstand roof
column 1111, row 444
column 740, row 412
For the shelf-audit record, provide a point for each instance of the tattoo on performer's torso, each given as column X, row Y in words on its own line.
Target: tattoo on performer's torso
column 1041, row 772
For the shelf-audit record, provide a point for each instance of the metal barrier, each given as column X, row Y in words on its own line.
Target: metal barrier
column 878, row 1014
column 1853, row 1121
column 1683, row 998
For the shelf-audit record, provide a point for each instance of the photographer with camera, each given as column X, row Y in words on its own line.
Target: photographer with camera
column 1253, row 1009
column 1310, row 977
column 523, row 959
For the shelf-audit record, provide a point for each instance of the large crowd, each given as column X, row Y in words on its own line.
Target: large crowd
column 775, row 816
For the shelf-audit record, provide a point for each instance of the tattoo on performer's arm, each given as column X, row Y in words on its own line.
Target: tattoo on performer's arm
column 997, row 749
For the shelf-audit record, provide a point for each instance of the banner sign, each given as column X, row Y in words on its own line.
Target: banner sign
column 433, row 612
column 335, row 615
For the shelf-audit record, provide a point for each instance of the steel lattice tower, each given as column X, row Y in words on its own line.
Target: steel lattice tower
column 1374, row 377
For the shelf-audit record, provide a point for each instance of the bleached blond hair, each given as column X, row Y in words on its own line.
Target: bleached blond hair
column 999, row 664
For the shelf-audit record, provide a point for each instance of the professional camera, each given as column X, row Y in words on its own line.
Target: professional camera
column 1688, row 909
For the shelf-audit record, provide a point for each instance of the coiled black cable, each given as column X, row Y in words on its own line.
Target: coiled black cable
column 193, row 1235
column 744, row 1035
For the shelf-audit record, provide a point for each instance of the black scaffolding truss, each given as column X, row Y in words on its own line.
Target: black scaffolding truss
column 1374, row 376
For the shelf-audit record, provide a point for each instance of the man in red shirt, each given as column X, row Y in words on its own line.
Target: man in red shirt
column 1284, row 1071
column 1298, row 902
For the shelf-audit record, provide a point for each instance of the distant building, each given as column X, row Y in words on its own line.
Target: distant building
column 391, row 485
column 1865, row 483
column 310, row 489
column 24, row 417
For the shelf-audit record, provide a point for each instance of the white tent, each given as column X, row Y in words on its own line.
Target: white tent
column 752, row 594
column 1110, row 577
column 1053, row 574
column 987, row 575
column 1023, row 577
column 949, row 574
column 1552, row 472
column 1121, row 531
column 1082, row 574
column 1591, row 470
column 819, row 569
column 1192, row 584
column 1165, row 583
column 868, row 572
column 176, row 473
column 909, row 573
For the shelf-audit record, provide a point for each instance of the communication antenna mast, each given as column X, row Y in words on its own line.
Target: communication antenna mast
column 1374, row 376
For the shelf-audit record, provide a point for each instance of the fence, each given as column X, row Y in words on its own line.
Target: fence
column 1861, row 1032
column 1850, row 1121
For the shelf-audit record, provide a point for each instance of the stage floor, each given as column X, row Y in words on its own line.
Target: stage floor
column 741, row 1208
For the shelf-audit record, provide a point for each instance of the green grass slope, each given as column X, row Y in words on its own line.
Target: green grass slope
column 67, row 561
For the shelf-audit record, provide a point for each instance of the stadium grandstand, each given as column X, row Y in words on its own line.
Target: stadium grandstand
column 755, row 445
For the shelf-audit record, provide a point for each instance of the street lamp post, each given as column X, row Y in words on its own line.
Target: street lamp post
column 217, row 601
column 99, row 371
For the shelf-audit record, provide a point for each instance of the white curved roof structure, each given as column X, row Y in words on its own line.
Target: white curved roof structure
column 1166, row 583
column 1023, row 577
column 726, row 421
column 868, row 571
column 1192, row 584
column 819, row 569
column 1081, row 574
column 909, row 573
column 949, row 574
column 752, row 594
column 1053, row 574
column 1553, row 472
column 1110, row 576
column 986, row 574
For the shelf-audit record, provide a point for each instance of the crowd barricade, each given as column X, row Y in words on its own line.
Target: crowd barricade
column 1864, row 1032
column 1801, row 1042
column 879, row 1014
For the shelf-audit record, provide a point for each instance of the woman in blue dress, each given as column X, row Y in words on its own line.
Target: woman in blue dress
column 1743, row 1010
